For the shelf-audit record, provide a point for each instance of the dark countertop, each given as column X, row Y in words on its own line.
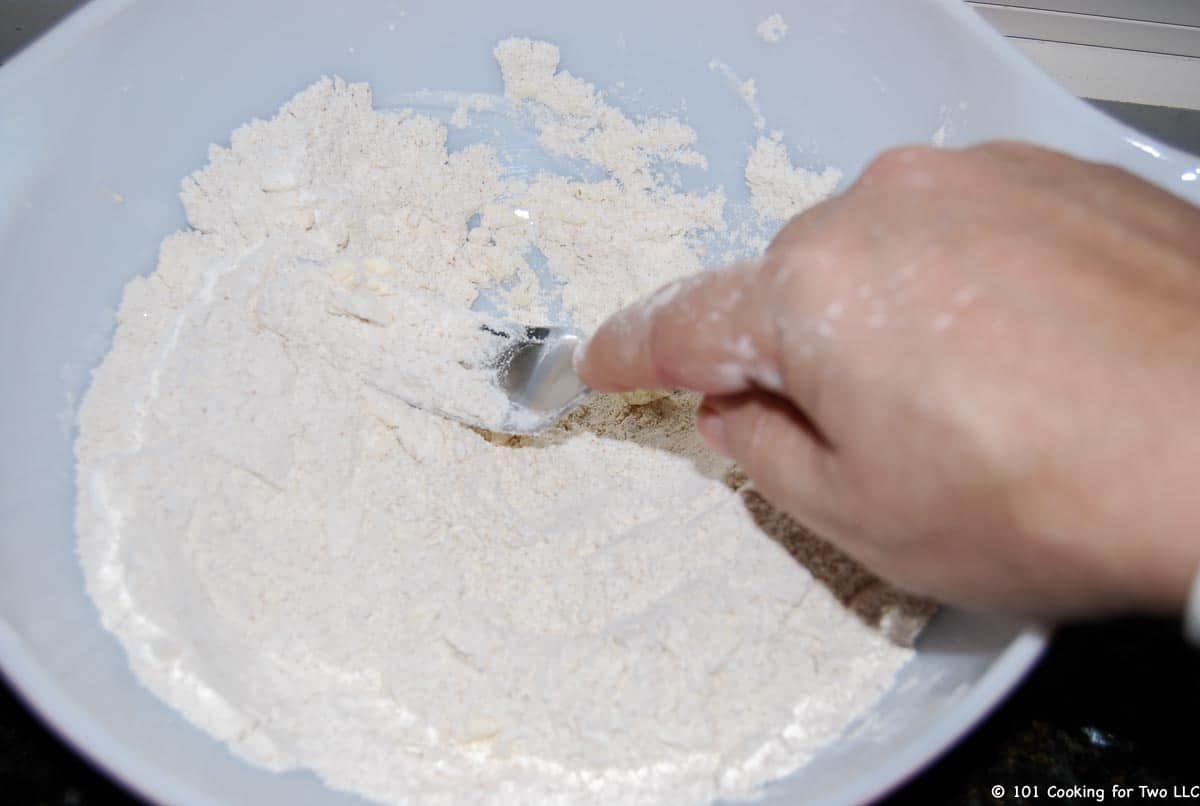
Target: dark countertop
column 1107, row 705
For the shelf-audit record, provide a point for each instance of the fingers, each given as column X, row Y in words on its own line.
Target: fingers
column 778, row 447
column 711, row 332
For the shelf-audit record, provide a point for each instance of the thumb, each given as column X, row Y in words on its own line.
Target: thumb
column 778, row 447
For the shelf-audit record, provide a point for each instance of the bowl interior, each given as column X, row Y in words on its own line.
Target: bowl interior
column 101, row 119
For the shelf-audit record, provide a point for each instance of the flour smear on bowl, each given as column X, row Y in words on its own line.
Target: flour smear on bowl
column 326, row 577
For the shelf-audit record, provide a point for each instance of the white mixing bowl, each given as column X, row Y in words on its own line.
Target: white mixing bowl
column 101, row 118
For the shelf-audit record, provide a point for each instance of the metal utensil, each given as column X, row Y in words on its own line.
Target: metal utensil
column 535, row 369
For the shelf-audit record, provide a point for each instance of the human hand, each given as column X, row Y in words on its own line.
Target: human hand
column 977, row 372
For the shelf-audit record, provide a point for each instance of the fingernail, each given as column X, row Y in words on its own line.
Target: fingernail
column 712, row 429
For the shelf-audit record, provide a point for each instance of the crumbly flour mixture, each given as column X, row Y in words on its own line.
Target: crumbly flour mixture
column 778, row 189
column 325, row 576
column 772, row 30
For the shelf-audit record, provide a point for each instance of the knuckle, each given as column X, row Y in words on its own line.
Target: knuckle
column 907, row 166
column 1006, row 148
column 801, row 231
column 1114, row 175
column 1014, row 160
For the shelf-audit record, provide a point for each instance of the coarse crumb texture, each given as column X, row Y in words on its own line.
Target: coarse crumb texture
column 772, row 30
column 574, row 121
column 780, row 190
column 475, row 102
column 402, row 342
column 325, row 576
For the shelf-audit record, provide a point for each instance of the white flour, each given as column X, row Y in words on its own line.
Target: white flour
column 747, row 90
column 780, row 190
column 324, row 576
column 475, row 102
column 772, row 30
column 404, row 343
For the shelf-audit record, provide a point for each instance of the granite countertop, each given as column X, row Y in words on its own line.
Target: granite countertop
column 1112, row 703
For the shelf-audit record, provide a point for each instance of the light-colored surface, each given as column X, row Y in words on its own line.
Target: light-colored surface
column 1091, row 29
column 1117, row 50
column 94, row 112
column 1178, row 12
column 1119, row 75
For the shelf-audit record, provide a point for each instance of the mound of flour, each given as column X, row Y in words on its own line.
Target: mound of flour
column 325, row 576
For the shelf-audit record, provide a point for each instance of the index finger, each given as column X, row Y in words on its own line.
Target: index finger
column 708, row 332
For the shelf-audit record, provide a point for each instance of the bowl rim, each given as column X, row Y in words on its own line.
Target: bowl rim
column 68, row 721
column 1010, row 667
column 90, row 739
